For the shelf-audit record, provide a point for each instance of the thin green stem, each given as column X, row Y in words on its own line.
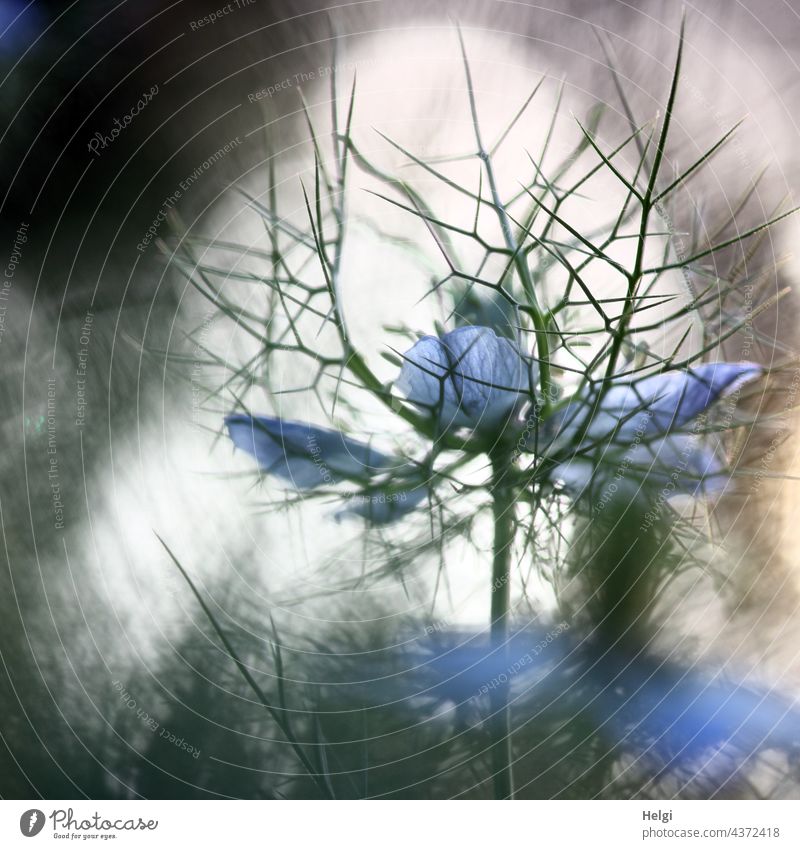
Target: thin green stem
column 277, row 715
column 499, row 720
column 519, row 256
column 648, row 202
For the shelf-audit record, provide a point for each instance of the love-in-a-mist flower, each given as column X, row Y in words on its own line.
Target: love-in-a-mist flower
column 645, row 430
column 472, row 379
column 469, row 378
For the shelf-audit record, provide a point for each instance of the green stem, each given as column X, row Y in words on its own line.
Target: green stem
column 499, row 719
column 520, row 259
column 649, row 201
column 521, row 266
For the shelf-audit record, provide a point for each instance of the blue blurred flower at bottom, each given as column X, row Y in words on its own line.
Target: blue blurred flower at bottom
column 668, row 716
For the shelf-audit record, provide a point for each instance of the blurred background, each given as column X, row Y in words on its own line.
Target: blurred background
column 126, row 123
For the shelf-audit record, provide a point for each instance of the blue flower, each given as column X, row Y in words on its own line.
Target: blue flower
column 307, row 456
column 639, row 429
column 660, row 712
column 473, row 379
column 470, row 378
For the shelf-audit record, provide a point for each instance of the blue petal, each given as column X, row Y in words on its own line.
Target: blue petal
column 674, row 464
column 680, row 462
column 652, row 406
column 470, row 377
column 303, row 454
column 672, row 399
